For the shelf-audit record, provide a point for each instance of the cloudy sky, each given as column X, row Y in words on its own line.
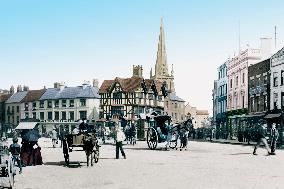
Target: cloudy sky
column 42, row 42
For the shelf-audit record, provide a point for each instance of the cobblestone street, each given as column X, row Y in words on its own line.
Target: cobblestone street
column 204, row 165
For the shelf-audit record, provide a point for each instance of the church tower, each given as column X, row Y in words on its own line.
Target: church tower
column 161, row 68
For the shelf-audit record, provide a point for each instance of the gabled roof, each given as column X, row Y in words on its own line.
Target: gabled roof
column 33, row 95
column 4, row 97
column 105, row 86
column 70, row 93
column 129, row 84
column 17, row 97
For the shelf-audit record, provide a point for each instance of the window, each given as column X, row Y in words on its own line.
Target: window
column 176, row 105
column 18, row 109
column 71, row 103
column 41, row 115
column 265, row 102
column 117, row 95
column 34, row 115
column 282, row 77
column 83, row 114
column 56, row 104
column 252, row 83
column 257, row 103
column 63, row 115
column 63, row 103
column 252, row 104
column 56, row 115
column 41, row 104
column 117, row 110
column 71, row 115
column 243, row 77
column 82, row 102
column 34, row 105
column 12, row 109
column 26, row 106
column 243, row 101
column 237, row 81
column 265, row 79
column 26, row 115
column 49, row 104
column 275, row 99
column 231, row 83
column 275, row 79
column 282, row 100
column 49, row 115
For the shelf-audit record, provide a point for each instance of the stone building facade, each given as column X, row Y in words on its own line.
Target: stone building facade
column 259, row 88
column 277, row 80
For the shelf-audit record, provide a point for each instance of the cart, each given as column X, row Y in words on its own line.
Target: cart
column 81, row 142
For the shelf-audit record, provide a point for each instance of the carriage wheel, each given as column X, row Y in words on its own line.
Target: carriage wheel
column 96, row 154
column 152, row 138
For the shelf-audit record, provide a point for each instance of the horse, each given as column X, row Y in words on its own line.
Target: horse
column 130, row 133
column 90, row 143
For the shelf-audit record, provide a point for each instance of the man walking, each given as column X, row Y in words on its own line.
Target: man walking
column 260, row 138
column 274, row 136
column 54, row 137
column 120, row 137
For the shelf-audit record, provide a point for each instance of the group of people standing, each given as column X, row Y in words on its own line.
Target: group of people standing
column 260, row 136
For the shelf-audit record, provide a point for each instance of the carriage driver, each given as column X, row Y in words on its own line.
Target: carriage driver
column 83, row 127
column 15, row 150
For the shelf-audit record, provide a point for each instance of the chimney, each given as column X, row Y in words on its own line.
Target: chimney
column 137, row 71
column 61, row 86
column 96, row 83
column 12, row 89
column 26, row 88
column 85, row 84
column 56, row 85
column 265, row 47
column 19, row 88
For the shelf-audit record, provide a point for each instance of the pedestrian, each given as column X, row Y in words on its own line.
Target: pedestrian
column 54, row 137
column 260, row 138
column 274, row 136
column 120, row 137
column 15, row 150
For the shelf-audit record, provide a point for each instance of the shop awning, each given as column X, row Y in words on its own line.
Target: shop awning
column 26, row 125
column 270, row 116
column 254, row 115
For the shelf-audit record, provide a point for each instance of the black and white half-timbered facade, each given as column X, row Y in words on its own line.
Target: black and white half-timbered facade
column 129, row 97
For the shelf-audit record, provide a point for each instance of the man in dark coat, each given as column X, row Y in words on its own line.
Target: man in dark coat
column 274, row 136
column 260, row 138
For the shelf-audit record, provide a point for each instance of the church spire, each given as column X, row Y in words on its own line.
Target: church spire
column 161, row 68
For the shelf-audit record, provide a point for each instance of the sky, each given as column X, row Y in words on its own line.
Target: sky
column 42, row 42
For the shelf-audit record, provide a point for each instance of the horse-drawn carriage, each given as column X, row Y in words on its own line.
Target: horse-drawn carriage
column 7, row 167
column 85, row 140
column 160, row 130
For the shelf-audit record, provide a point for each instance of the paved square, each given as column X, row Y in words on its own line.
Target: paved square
column 204, row 165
